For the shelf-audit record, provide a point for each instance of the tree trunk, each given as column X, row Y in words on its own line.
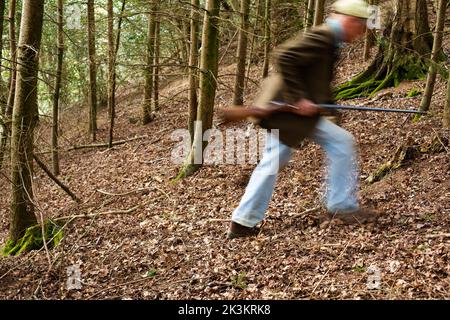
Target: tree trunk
column 156, row 62
column 437, row 48
column 319, row 12
column 113, row 50
column 3, row 102
column 147, row 111
column 309, row 16
column 13, row 49
column 60, row 32
column 193, row 65
column 369, row 39
column 92, row 71
column 446, row 120
column 402, row 57
column 266, row 39
column 111, row 68
column 238, row 96
column 208, row 77
column 2, row 85
column 12, row 80
column 252, row 34
column 25, row 117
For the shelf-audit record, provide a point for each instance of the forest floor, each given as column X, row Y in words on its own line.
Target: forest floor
column 172, row 245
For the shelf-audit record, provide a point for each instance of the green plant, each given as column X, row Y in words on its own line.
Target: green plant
column 239, row 280
column 152, row 272
column 413, row 93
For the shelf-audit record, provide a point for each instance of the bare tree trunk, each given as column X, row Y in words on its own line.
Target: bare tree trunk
column 55, row 154
column 156, row 62
column 369, row 39
column 12, row 80
column 92, row 71
column 238, row 96
column 319, row 12
column 309, row 17
column 3, row 93
column 113, row 50
column 252, row 40
column 2, row 85
column 147, row 111
column 437, row 48
column 208, row 84
column 193, row 65
column 446, row 120
column 185, row 36
column 111, row 67
column 266, row 38
column 13, row 48
column 25, row 117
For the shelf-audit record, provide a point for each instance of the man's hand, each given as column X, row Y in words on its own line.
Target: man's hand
column 307, row 108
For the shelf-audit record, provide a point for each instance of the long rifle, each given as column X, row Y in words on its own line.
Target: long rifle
column 239, row 113
column 292, row 127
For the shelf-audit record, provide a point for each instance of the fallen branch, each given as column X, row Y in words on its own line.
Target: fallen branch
column 443, row 235
column 294, row 215
column 104, row 145
column 55, row 179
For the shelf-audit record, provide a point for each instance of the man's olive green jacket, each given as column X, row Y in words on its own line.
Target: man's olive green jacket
column 304, row 69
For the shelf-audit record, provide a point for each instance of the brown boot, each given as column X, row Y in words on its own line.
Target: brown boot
column 238, row 231
column 361, row 216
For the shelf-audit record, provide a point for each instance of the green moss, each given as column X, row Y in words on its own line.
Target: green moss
column 239, row 281
column 186, row 171
column 33, row 239
column 413, row 93
column 367, row 84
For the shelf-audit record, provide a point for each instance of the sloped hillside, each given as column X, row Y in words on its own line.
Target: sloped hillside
column 143, row 236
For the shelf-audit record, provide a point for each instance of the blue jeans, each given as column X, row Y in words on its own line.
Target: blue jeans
column 339, row 146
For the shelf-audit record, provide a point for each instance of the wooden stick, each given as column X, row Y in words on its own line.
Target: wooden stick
column 104, row 145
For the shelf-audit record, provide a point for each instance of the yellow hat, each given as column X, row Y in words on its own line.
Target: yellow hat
column 356, row 8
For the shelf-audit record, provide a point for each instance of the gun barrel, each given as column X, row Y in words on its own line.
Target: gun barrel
column 359, row 108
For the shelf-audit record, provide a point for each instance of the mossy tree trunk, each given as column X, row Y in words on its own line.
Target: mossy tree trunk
column 401, row 56
column 238, row 96
column 193, row 65
column 208, row 84
column 92, row 71
column 25, row 117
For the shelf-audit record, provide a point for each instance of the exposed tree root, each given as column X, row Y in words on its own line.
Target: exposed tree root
column 383, row 73
column 34, row 240
column 407, row 152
